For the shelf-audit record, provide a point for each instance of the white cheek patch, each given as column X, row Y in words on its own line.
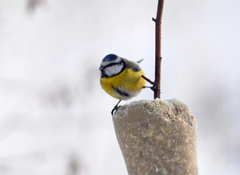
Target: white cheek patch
column 113, row 70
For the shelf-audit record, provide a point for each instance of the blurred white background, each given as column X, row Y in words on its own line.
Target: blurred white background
column 55, row 118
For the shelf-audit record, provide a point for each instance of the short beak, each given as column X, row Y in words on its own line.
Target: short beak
column 101, row 67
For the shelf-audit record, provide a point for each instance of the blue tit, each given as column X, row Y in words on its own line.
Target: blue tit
column 121, row 78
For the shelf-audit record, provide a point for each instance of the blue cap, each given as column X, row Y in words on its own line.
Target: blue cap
column 110, row 57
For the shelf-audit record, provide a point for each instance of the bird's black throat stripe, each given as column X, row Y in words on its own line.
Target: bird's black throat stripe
column 121, row 92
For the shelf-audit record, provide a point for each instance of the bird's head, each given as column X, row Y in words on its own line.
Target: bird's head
column 111, row 65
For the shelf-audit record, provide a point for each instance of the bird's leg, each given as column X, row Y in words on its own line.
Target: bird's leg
column 115, row 107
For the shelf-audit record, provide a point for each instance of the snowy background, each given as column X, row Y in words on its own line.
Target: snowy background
column 55, row 118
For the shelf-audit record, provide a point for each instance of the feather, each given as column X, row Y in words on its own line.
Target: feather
column 139, row 61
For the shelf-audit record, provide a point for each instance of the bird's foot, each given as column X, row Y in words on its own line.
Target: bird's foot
column 115, row 108
column 153, row 88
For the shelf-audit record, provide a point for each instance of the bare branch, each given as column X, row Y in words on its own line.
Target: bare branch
column 158, row 57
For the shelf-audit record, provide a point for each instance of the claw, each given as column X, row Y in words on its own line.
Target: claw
column 153, row 88
column 115, row 107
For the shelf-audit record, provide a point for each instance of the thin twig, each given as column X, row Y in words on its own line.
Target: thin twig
column 148, row 80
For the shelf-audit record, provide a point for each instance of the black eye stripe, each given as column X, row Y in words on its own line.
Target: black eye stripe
column 111, row 64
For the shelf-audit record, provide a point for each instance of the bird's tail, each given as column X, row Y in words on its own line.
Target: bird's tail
column 139, row 61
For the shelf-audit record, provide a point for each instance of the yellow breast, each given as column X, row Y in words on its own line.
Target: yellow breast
column 128, row 80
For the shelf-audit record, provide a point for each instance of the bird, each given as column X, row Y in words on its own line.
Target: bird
column 121, row 78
